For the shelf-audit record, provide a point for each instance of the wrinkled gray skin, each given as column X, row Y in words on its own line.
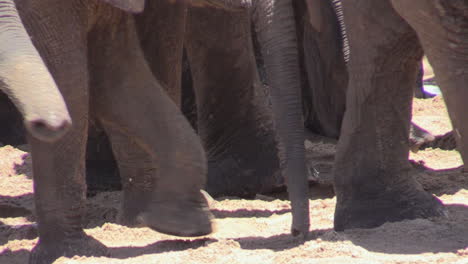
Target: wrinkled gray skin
column 373, row 179
column 325, row 52
column 93, row 53
column 325, row 75
column 26, row 80
column 275, row 29
column 233, row 120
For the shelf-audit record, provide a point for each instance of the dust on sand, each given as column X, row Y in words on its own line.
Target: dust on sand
column 257, row 231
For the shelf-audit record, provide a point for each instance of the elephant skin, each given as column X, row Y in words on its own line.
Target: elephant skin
column 373, row 178
column 92, row 50
column 26, row 80
column 325, row 53
column 325, row 76
column 234, row 123
column 243, row 139
column 252, row 166
column 233, row 120
column 322, row 47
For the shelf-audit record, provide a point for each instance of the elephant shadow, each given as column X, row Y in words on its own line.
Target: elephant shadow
column 316, row 191
column 408, row 237
column 25, row 166
column 159, row 247
column 279, row 242
column 441, row 181
column 241, row 213
column 17, row 207
column 417, row 236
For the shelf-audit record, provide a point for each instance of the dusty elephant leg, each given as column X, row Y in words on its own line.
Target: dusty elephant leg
column 373, row 180
column 419, row 137
column 444, row 37
column 419, row 87
column 161, row 29
column 58, row 168
column 162, row 190
column 234, row 122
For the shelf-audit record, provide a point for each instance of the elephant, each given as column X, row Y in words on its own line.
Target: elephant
column 373, row 179
column 232, row 120
column 92, row 51
column 323, row 43
column 419, row 88
column 249, row 148
column 27, row 82
column 324, row 54
column 374, row 183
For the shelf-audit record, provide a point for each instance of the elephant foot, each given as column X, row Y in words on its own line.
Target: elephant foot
column 446, row 141
column 395, row 203
column 48, row 252
column 178, row 218
column 419, row 137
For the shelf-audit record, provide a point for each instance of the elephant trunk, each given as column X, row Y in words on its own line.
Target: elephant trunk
column 275, row 26
column 26, row 80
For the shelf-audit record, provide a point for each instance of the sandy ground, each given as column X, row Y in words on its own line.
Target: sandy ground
column 257, row 231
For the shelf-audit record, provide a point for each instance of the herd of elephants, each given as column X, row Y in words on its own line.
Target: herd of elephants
column 216, row 95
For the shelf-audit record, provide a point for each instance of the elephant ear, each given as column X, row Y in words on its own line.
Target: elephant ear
column 132, row 6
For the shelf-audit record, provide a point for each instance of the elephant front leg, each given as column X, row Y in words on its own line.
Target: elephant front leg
column 162, row 162
column 442, row 28
column 161, row 29
column 373, row 179
column 58, row 168
column 234, row 122
column 59, row 190
column 161, row 182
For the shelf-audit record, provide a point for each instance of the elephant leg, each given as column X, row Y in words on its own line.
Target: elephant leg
column 419, row 87
column 324, row 95
column 161, row 29
column 373, row 179
column 234, row 121
column 442, row 28
column 59, row 167
column 161, row 159
column 419, row 137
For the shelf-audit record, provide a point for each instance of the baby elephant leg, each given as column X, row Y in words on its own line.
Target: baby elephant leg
column 162, row 162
